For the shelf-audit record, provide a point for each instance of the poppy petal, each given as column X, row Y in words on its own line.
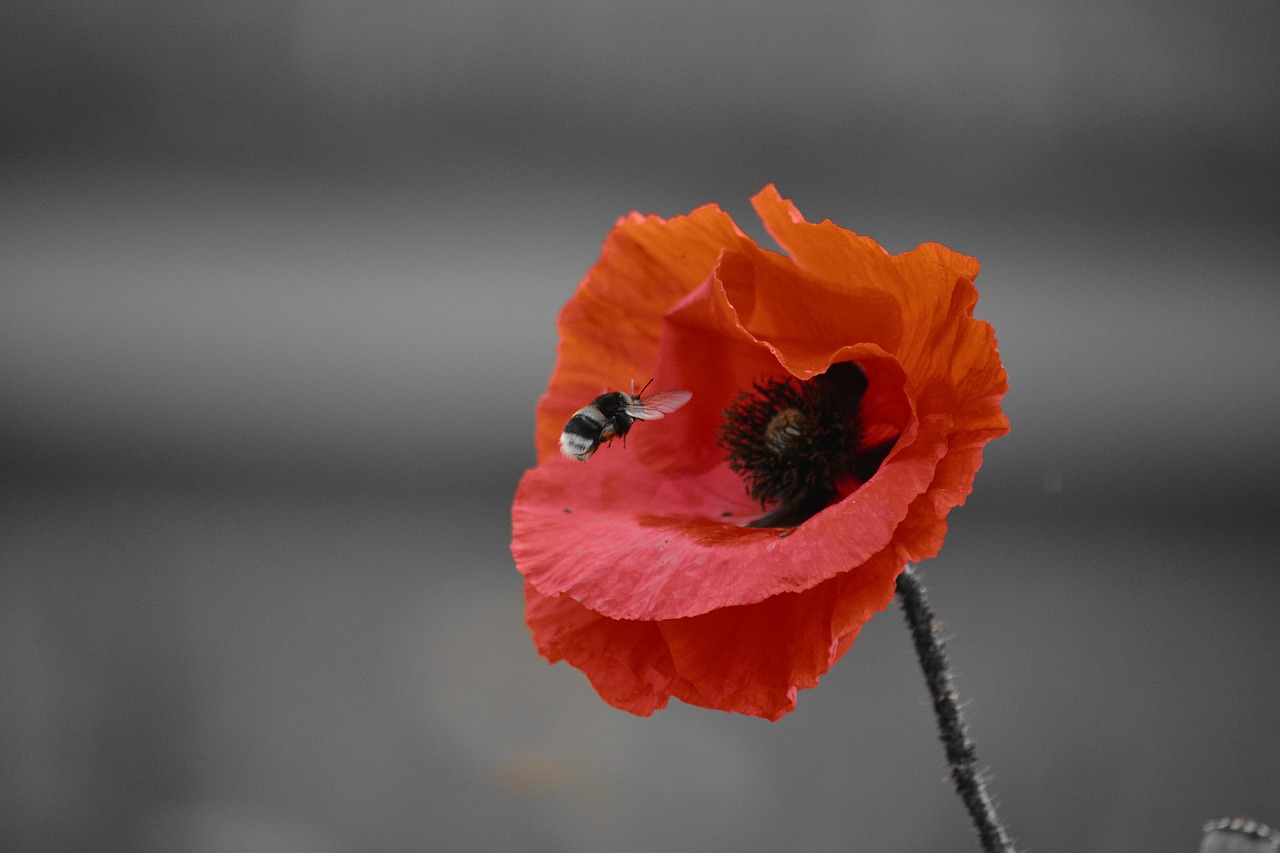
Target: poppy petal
column 627, row 662
column 630, row 545
column 748, row 660
column 932, row 285
column 752, row 659
column 805, row 319
column 609, row 330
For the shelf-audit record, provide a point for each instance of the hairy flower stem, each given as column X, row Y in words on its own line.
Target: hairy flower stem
column 962, row 755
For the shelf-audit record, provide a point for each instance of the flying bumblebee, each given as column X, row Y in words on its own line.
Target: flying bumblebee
column 611, row 415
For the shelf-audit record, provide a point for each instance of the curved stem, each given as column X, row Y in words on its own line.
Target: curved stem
column 962, row 755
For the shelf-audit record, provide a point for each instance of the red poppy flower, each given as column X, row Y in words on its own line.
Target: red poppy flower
column 688, row 563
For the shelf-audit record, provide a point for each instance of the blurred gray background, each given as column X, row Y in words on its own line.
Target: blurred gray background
column 278, row 285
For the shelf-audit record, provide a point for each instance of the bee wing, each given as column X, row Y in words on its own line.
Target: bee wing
column 660, row 404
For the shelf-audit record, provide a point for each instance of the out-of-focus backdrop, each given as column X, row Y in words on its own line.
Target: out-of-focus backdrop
column 278, row 282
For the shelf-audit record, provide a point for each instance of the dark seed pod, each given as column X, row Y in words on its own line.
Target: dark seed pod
column 784, row 430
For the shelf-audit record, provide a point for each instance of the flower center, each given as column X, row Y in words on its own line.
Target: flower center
column 793, row 443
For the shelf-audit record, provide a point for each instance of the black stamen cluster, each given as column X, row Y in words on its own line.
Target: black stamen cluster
column 792, row 441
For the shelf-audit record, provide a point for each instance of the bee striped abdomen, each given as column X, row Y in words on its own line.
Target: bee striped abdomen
column 583, row 433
